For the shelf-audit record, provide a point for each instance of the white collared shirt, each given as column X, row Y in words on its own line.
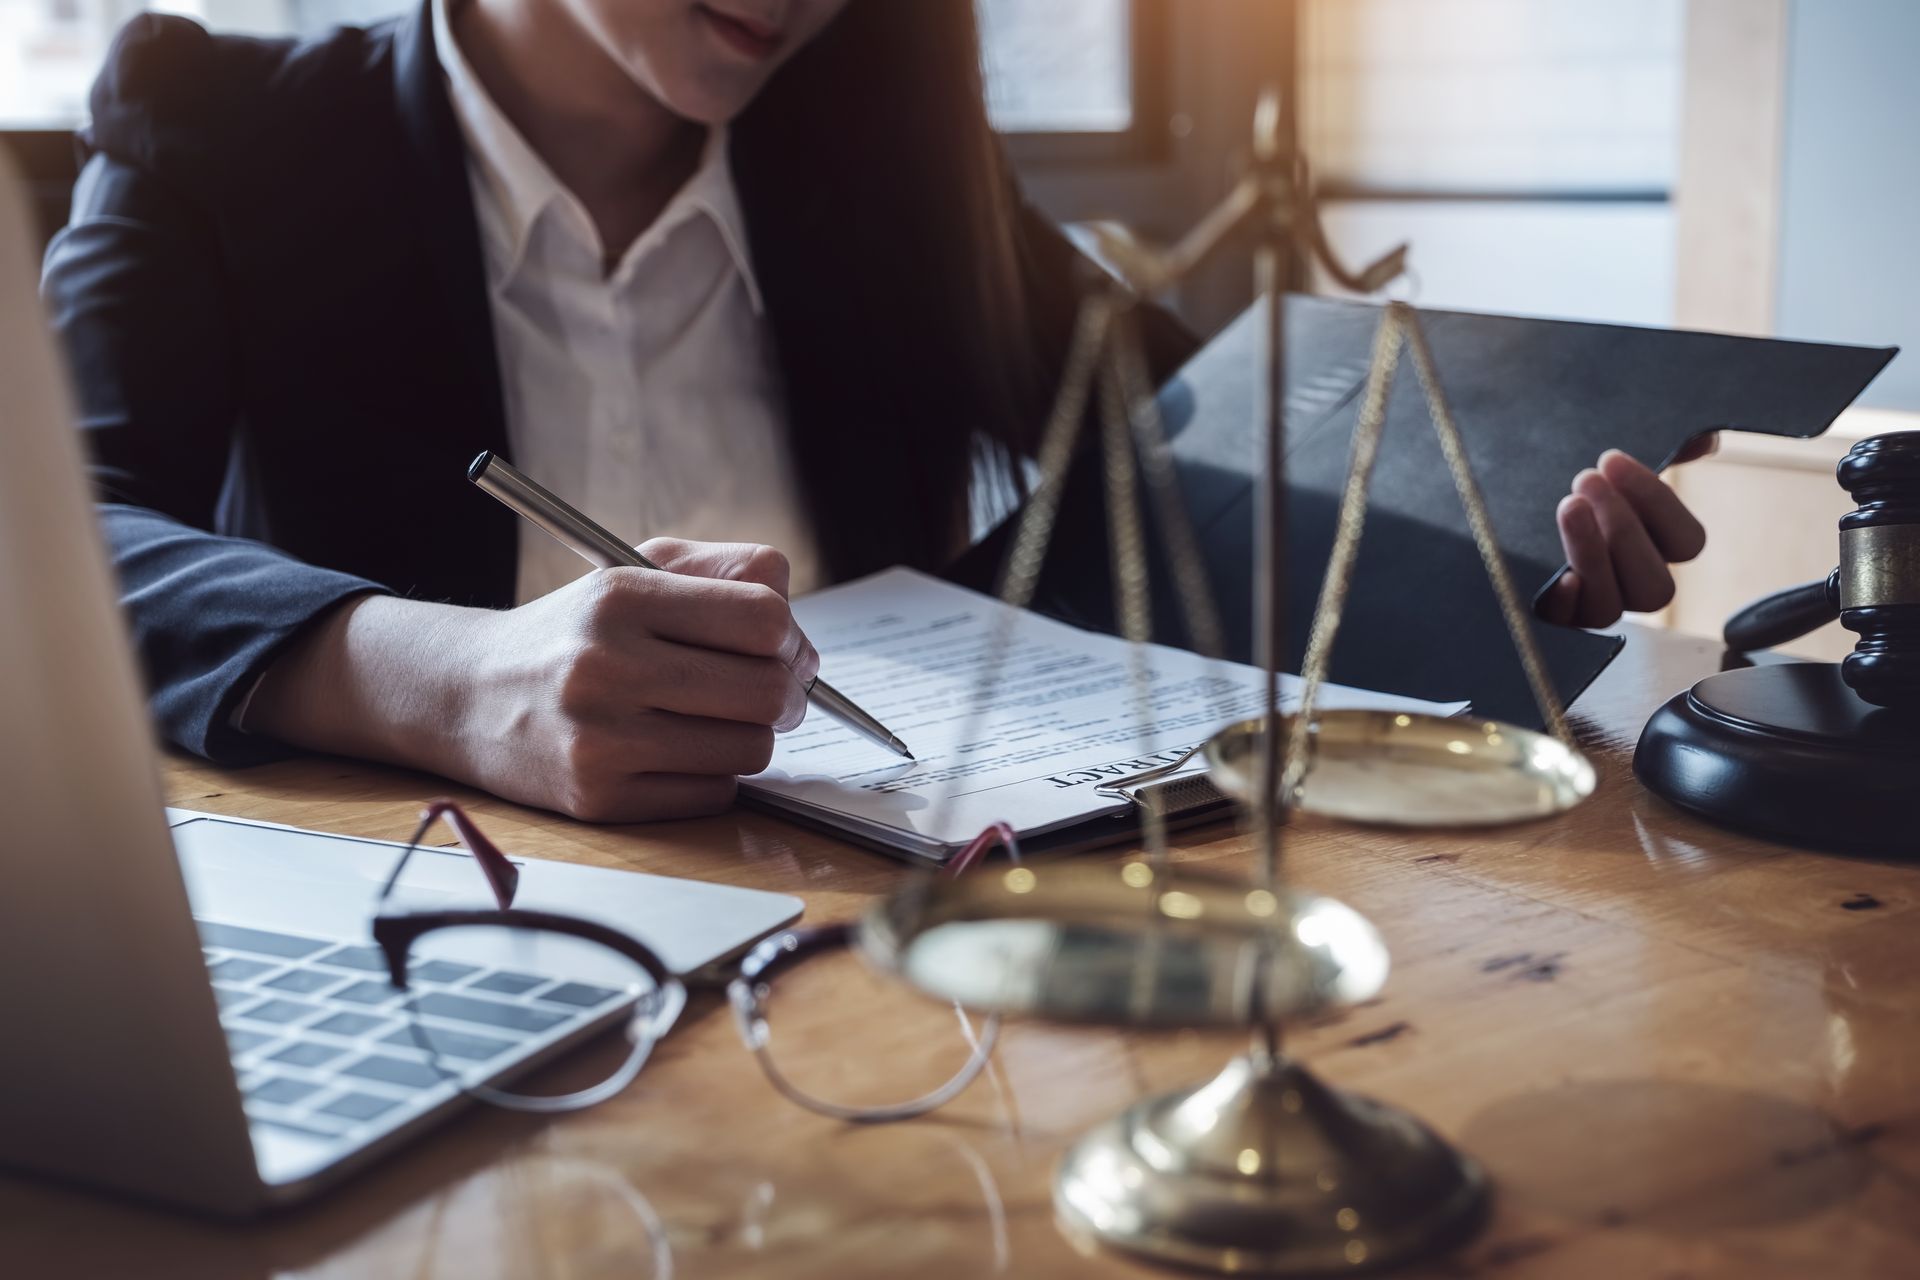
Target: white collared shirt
column 648, row 397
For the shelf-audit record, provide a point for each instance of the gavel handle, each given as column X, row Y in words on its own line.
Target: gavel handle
column 1785, row 615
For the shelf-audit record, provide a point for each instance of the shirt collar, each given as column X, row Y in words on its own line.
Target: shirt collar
column 520, row 187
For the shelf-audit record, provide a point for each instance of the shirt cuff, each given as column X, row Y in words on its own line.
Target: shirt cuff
column 237, row 721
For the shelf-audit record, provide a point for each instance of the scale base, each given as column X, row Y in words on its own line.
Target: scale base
column 1788, row 752
column 1265, row 1170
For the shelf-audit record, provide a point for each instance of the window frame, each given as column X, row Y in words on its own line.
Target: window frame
column 1357, row 193
column 1145, row 139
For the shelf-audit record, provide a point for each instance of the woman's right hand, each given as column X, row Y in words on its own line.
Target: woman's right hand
column 627, row 696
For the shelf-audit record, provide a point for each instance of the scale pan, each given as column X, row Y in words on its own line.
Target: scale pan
column 1401, row 770
column 1122, row 946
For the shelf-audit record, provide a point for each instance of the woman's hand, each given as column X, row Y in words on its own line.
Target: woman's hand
column 626, row 696
column 1621, row 527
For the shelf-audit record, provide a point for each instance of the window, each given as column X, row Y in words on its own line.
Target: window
column 1062, row 66
column 1522, row 96
column 49, row 50
column 1527, row 148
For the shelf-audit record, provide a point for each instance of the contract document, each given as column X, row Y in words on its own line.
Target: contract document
column 1013, row 717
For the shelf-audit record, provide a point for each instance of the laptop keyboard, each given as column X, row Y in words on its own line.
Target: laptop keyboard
column 323, row 1045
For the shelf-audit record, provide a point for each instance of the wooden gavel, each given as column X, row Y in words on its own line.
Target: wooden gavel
column 1875, row 592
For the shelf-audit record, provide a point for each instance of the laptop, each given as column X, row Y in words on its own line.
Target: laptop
column 193, row 1013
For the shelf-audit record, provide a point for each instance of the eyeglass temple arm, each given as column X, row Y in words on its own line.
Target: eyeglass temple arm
column 502, row 876
column 999, row 833
column 795, row 946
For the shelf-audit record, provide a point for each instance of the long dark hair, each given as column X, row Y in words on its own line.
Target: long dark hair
column 894, row 256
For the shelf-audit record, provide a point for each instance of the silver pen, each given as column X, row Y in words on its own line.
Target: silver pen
column 597, row 546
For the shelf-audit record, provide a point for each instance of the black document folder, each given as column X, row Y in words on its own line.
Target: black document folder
column 1536, row 401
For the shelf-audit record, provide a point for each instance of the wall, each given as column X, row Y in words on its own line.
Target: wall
column 1798, row 183
column 1849, row 264
column 1525, row 148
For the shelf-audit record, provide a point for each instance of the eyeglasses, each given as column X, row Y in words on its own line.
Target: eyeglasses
column 797, row 997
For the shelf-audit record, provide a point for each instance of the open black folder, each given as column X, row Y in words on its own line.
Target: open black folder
column 1536, row 400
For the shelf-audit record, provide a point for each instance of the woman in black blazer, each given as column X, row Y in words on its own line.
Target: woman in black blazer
column 287, row 334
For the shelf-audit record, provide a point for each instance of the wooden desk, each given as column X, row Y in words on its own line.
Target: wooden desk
column 1679, row 1052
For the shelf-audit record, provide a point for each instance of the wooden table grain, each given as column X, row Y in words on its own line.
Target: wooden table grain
column 1678, row 1052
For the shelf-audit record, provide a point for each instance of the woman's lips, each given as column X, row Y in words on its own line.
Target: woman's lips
column 746, row 36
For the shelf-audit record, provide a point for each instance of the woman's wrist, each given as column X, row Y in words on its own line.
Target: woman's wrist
column 378, row 678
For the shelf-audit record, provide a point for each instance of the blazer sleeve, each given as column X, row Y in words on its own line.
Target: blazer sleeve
column 133, row 288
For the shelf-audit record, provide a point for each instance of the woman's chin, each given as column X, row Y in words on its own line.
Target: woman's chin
column 696, row 88
column 712, row 99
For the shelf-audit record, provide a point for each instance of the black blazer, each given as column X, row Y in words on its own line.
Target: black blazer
column 274, row 299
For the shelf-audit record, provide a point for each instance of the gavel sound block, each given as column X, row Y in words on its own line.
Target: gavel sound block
column 1812, row 753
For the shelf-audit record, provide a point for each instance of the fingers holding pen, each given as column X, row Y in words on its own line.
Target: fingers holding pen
column 631, row 726
column 728, row 561
column 618, row 683
column 651, row 741
column 639, row 692
column 745, row 563
column 725, row 686
column 721, row 615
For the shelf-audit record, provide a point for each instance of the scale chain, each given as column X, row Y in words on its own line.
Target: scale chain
column 1349, row 526
column 1481, row 523
column 1129, row 554
column 1400, row 330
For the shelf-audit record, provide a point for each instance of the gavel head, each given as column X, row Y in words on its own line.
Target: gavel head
column 1880, row 569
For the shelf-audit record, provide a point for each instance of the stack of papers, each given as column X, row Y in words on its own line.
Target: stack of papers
column 1014, row 717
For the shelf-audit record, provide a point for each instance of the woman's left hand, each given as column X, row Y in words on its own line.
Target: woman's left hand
column 1621, row 527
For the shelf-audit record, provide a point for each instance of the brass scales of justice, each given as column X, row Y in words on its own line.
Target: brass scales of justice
column 1264, row 1168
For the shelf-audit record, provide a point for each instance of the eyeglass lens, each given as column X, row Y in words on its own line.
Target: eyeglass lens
column 841, row 1039
column 480, row 995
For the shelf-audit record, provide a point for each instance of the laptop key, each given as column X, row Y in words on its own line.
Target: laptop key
column 578, row 994
column 508, row 983
column 350, row 1026
column 490, row 1013
column 304, row 981
column 279, row 1011
column 240, row 969
column 365, row 959
column 358, row 1106
column 282, row 1091
column 441, row 971
column 366, row 993
column 306, row 1053
column 258, row 941
column 448, row 1044
column 395, row 1071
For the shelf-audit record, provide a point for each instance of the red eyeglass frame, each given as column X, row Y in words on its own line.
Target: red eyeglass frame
column 396, row 933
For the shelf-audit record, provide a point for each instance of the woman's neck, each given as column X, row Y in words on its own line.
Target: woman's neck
column 611, row 143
